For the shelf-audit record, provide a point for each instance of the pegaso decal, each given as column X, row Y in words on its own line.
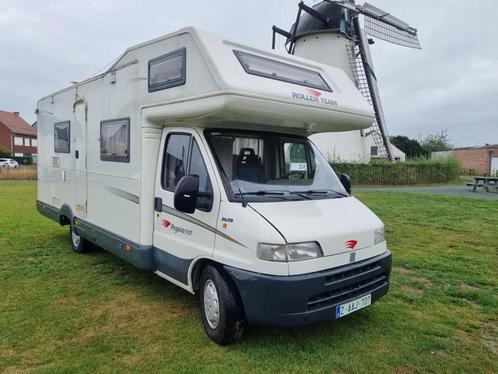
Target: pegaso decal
column 313, row 96
column 175, row 213
column 176, row 229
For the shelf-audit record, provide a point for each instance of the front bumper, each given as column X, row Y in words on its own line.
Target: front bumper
column 289, row 301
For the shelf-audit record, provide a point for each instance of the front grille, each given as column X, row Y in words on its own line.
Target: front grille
column 349, row 284
column 346, row 275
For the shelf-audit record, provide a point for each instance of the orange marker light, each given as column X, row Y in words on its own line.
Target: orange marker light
column 225, row 225
column 127, row 247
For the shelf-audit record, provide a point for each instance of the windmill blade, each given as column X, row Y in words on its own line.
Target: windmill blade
column 362, row 66
column 384, row 26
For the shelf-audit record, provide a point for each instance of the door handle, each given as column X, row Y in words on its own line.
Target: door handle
column 158, row 204
column 77, row 154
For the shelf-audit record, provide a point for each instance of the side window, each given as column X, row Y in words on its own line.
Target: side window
column 175, row 160
column 167, row 70
column 62, row 142
column 198, row 167
column 115, row 140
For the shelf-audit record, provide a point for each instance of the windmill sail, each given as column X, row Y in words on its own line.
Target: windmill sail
column 367, row 84
column 384, row 26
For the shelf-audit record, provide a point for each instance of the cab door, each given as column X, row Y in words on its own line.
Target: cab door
column 180, row 237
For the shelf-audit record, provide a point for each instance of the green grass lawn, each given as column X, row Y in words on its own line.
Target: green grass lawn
column 64, row 312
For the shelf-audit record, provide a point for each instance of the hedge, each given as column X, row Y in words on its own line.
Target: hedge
column 25, row 160
column 409, row 172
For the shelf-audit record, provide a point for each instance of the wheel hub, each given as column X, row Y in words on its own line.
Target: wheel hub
column 211, row 304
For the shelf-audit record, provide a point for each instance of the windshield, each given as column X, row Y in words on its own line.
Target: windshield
column 261, row 166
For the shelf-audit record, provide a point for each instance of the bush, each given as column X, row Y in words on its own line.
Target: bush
column 4, row 152
column 421, row 171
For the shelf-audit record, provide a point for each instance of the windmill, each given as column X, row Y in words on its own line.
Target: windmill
column 330, row 32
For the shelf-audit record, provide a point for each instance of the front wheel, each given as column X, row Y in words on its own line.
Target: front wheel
column 222, row 311
column 78, row 244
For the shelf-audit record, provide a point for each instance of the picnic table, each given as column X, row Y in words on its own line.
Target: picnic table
column 487, row 183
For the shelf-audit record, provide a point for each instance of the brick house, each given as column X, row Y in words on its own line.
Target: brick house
column 481, row 160
column 16, row 135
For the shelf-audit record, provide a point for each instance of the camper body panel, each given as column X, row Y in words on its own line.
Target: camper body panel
column 93, row 186
column 243, row 228
column 342, row 95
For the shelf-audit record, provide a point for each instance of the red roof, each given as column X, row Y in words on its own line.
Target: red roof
column 16, row 124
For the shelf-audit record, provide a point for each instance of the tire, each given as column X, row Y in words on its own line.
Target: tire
column 224, row 324
column 78, row 244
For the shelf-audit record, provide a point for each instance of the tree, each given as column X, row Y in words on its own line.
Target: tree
column 439, row 141
column 410, row 147
column 4, row 152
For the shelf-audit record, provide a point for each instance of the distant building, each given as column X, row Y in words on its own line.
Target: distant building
column 351, row 146
column 398, row 154
column 16, row 135
column 479, row 160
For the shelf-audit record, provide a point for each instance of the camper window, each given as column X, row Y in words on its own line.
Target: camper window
column 175, row 160
column 115, row 140
column 62, row 137
column 167, row 70
column 267, row 68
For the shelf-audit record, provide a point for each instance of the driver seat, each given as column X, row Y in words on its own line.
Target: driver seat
column 249, row 167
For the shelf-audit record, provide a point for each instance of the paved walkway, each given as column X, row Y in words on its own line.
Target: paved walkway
column 450, row 190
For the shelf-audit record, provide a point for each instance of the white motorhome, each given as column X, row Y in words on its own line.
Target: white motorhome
column 190, row 157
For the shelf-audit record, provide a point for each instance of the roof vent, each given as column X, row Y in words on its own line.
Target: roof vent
column 16, row 113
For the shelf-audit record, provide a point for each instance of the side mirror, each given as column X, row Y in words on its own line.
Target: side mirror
column 186, row 192
column 346, row 182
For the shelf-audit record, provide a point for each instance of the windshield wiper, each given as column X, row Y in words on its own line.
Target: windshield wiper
column 275, row 194
column 261, row 193
column 322, row 192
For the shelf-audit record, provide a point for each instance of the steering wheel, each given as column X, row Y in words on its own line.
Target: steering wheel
column 296, row 172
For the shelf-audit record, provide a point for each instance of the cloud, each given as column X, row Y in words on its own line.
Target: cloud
column 451, row 83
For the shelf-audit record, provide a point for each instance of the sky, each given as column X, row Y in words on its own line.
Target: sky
column 451, row 83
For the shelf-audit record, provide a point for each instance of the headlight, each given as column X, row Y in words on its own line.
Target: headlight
column 289, row 252
column 379, row 235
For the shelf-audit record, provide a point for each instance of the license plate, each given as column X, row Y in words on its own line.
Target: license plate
column 352, row 306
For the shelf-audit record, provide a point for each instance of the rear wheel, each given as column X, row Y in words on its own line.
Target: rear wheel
column 222, row 311
column 79, row 244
